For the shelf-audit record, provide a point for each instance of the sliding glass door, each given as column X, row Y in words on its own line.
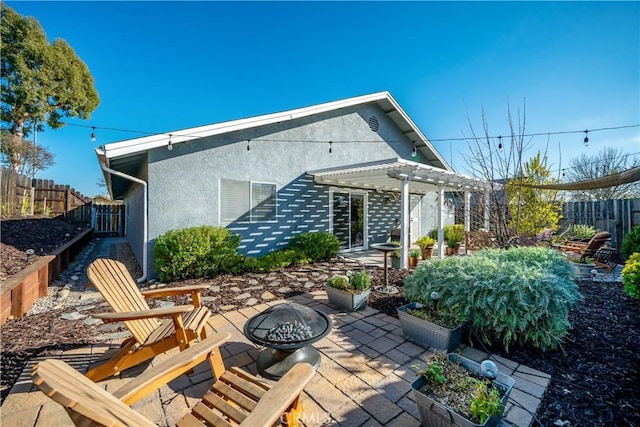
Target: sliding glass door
column 349, row 219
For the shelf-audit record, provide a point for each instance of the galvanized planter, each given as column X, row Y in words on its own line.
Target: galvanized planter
column 345, row 300
column 583, row 271
column 434, row 414
column 428, row 334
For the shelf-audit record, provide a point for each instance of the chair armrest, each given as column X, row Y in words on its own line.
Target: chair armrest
column 169, row 369
column 144, row 314
column 169, row 292
column 278, row 399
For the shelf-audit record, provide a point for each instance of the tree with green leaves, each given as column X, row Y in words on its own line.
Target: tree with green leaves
column 41, row 83
column 533, row 209
column 608, row 161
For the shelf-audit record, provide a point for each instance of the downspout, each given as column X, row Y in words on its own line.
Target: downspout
column 145, row 234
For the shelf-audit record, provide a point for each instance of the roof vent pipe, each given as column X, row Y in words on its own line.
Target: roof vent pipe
column 144, row 227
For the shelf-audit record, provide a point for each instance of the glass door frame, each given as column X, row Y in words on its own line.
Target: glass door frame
column 365, row 213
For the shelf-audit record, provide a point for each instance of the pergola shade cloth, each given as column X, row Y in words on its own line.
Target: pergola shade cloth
column 625, row 177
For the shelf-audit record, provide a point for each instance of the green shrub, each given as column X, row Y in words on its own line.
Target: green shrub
column 195, row 252
column 359, row 281
column 631, row 276
column 582, row 232
column 453, row 234
column 316, row 246
column 517, row 296
column 339, row 281
column 281, row 258
column 630, row 242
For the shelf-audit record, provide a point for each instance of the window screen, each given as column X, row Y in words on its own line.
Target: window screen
column 247, row 201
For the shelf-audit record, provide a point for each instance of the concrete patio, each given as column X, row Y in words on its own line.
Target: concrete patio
column 363, row 380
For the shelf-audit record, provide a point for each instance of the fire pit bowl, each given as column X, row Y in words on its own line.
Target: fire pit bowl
column 287, row 330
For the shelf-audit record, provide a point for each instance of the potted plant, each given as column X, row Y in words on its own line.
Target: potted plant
column 453, row 235
column 395, row 256
column 453, row 390
column 414, row 254
column 582, row 268
column 426, row 244
column 436, row 327
column 349, row 292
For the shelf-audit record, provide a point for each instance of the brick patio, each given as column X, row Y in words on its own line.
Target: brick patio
column 363, row 380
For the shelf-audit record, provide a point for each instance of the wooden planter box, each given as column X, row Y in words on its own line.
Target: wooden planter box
column 428, row 334
column 435, row 414
column 345, row 300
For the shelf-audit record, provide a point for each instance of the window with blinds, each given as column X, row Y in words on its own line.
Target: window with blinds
column 247, row 201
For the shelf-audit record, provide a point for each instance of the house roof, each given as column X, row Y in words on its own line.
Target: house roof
column 387, row 175
column 127, row 156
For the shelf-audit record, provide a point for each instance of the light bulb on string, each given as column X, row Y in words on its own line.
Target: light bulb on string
column 586, row 138
column 500, row 142
column 248, row 146
column 414, row 151
column 330, row 150
column 93, row 134
column 170, row 146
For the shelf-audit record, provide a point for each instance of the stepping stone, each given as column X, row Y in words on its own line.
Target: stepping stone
column 267, row 295
column 275, row 283
column 309, row 285
column 214, row 288
column 251, row 301
column 237, row 279
column 243, row 296
column 74, row 278
column 284, row 289
column 113, row 336
column 236, row 289
column 252, row 282
column 227, row 307
column 253, row 288
column 64, row 293
column 205, row 299
column 165, row 303
column 73, row 316
column 90, row 295
column 85, row 307
column 92, row 321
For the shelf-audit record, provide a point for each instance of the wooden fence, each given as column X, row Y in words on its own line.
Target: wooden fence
column 615, row 216
column 22, row 196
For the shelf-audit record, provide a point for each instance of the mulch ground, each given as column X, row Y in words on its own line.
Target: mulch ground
column 595, row 378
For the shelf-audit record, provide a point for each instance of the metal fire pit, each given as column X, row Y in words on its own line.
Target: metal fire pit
column 287, row 330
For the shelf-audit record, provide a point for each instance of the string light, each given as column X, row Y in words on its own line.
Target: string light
column 500, row 142
column 330, row 150
column 357, row 141
column 93, row 134
column 586, row 138
column 170, row 146
column 248, row 146
column 414, row 151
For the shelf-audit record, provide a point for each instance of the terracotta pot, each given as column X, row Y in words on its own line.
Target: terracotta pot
column 426, row 252
column 413, row 261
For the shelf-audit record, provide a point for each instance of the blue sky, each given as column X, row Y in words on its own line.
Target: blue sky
column 165, row 66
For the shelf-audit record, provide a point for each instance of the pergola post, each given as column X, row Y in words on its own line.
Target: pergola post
column 404, row 223
column 440, row 221
column 487, row 206
column 467, row 210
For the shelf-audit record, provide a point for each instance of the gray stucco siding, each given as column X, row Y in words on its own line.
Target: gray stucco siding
column 184, row 182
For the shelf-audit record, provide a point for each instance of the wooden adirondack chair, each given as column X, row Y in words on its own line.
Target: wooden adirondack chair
column 236, row 395
column 180, row 327
column 589, row 249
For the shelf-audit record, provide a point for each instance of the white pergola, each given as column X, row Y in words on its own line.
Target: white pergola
column 405, row 177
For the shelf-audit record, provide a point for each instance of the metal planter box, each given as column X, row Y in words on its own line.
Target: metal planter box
column 434, row 414
column 345, row 300
column 428, row 334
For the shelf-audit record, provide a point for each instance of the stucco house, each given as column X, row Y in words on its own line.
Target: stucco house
column 356, row 167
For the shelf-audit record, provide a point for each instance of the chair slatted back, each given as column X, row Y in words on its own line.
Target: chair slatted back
column 112, row 279
column 596, row 242
column 86, row 400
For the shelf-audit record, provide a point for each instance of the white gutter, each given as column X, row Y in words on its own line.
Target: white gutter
column 145, row 234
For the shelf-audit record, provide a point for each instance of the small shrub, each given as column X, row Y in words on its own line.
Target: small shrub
column 414, row 253
column 631, row 276
column 359, row 281
column 630, row 243
column 339, row 281
column 521, row 295
column 195, row 252
column 582, row 232
column 425, row 241
column 318, row 246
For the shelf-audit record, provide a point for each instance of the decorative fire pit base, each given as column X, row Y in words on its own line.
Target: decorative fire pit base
column 287, row 330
